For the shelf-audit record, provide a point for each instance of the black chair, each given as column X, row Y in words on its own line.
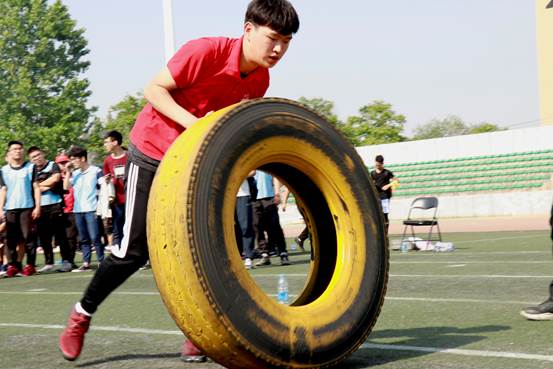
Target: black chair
column 421, row 207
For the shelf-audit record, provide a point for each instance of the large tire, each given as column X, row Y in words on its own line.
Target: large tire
column 193, row 251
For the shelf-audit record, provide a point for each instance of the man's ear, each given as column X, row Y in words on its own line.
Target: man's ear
column 248, row 27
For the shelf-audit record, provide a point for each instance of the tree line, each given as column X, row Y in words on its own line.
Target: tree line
column 44, row 94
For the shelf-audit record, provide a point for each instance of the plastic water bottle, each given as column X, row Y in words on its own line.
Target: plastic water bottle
column 404, row 246
column 282, row 295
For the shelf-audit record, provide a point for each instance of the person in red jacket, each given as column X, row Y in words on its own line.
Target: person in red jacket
column 205, row 75
column 114, row 171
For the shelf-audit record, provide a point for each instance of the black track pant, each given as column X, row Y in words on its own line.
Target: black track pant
column 266, row 220
column 133, row 251
column 70, row 236
column 19, row 227
column 52, row 223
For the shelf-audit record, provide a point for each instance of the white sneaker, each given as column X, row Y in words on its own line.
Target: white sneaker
column 248, row 263
column 65, row 266
column 46, row 268
column 83, row 268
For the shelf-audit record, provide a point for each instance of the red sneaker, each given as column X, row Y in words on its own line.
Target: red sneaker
column 12, row 271
column 72, row 338
column 191, row 354
column 28, row 270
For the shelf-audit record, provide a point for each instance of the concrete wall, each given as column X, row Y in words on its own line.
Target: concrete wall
column 503, row 142
column 482, row 205
column 509, row 203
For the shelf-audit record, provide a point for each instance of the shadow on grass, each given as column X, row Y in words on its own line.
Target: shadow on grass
column 112, row 359
column 434, row 337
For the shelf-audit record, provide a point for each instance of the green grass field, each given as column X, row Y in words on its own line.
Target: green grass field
column 466, row 302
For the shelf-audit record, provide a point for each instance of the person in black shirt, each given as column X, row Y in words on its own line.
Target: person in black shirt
column 543, row 311
column 383, row 181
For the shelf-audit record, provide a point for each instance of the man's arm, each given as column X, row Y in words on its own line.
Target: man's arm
column 67, row 181
column 157, row 92
column 276, row 185
column 36, row 195
column 285, row 195
column 49, row 182
column 3, row 193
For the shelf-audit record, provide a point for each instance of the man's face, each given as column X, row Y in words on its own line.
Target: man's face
column 63, row 166
column 15, row 152
column 110, row 144
column 77, row 162
column 378, row 165
column 37, row 158
column 267, row 47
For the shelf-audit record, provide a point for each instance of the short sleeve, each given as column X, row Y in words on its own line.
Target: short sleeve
column 190, row 61
column 34, row 173
column 55, row 169
column 106, row 167
column 391, row 175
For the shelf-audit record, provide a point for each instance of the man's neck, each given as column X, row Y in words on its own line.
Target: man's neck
column 117, row 152
column 16, row 163
column 84, row 167
column 246, row 66
column 40, row 167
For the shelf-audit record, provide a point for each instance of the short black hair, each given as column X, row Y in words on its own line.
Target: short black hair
column 33, row 149
column 279, row 15
column 116, row 135
column 77, row 152
column 14, row 142
column 379, row 159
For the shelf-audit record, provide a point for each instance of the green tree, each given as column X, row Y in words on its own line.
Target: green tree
column 447, row 127
column 321, row 106
column 377, row 123
column 484, row 128
column 121, row 117
column 43, row 96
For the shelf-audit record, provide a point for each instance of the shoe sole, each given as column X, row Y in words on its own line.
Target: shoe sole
column 537, row 317
column 68, row 358
column 194, row 359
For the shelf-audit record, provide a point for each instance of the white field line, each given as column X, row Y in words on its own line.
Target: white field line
column 473, row 353
column 430, row 299
column 491, row 276
column 481, row 276
column 471, row 253
column 468, row 262
column 95, row 328
column 31, row 292
column 303, row 275
column 502, row 238
column 146, row 293
column 391, row 298
column 490, row 239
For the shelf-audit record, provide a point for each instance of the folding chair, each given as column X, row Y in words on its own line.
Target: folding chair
column 422, row 207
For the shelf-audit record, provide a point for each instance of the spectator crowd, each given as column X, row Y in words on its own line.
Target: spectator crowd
column 69, row 204
column 64, row 202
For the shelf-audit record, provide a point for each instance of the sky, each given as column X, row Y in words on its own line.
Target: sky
column 428, row 58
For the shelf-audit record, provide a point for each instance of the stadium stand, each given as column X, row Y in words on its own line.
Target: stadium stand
column 512, row 171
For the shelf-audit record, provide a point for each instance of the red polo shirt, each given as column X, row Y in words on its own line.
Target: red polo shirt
column 207, row 74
